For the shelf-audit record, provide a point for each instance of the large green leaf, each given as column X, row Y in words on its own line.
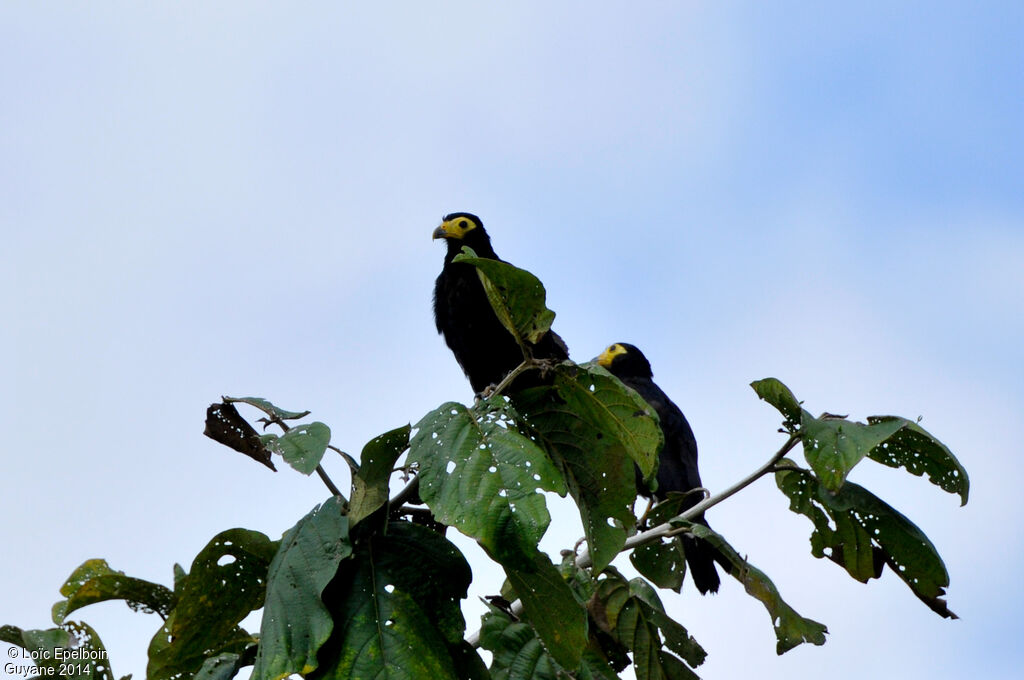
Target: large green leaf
column 395, row 606
column 376, row 463
column 552, row 608
column 226, row 582
column 778, row 395
column 303, row 446
column 596, row 429
column 857, row 530
column 791, row 629
column 72, row 652
column 295, row 620
column 833, row 445
column 632, row 613
column 95, row 581
column 913, row 448
column 517, row 296
column 480, row 475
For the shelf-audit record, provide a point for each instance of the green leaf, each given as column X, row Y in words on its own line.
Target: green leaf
column 596, row 429
column 791, row 629
column 663, row 563
column 295, row 620
column 913, row 448
column 226, row 582
column 303, row 446
column 518, row 653
column 95, row 581
column 867, row 532
column 370, row 483
column 72, row 652
column 268, row 408
column 778, row 395
column 833, row 446
column 481, row 476
column 517, row 296
column 551, row 607
column 395, row 605
column 632, row 614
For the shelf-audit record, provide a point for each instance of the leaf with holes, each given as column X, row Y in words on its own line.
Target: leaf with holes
column 226, row 582
column 370, row 483
column 295, row 620
column 516, row 295
column 596, row 429
column 480, row 475
column 396, row 608
column 95, row 581
column 833, row 446
column 663, row 563
column 791, row 629
column 303, row 446
column 918, row 452
column 778, row 395
column 867, row 532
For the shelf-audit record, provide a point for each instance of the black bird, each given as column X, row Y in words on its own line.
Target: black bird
column 677, row 462
column 483, row 347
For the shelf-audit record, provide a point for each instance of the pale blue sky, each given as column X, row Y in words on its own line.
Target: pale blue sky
column 197, row 201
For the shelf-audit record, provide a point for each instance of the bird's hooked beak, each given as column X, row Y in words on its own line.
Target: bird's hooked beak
column 441, row 232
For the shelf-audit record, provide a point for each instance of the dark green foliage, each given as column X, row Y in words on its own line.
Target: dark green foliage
column 596, row 430
column 94, row 581
column 296, row 622
column 867, row 532
column 226, row 582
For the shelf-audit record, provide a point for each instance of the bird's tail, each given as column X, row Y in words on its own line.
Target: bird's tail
column 700, row 560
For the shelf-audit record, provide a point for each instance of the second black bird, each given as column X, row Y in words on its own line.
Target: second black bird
column 677, row 462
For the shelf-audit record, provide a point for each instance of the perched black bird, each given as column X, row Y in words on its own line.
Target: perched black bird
column 677, row 463
column 483, row 347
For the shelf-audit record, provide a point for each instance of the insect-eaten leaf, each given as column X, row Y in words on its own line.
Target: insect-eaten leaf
column 479, row 474
column 225, row 425
column 859, row 531
column 303, row 446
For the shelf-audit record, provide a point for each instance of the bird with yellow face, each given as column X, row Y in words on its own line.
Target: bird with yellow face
column 677, row 462
column 484, row 348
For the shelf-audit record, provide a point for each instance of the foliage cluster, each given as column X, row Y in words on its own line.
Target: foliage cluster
column 367, row 585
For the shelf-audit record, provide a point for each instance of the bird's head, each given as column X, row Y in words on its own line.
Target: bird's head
column 464, row 229
column 625, row 361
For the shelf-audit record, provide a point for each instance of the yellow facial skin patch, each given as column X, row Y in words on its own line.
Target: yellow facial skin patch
column 456, row 228
column 609, row 355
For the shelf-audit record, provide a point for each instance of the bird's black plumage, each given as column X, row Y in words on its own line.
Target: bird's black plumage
column 677, row 462
column 483, row 347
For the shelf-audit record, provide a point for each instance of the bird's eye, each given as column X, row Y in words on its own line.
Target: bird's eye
column 463, row 224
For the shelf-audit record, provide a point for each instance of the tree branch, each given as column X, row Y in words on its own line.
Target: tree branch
column 584, row 560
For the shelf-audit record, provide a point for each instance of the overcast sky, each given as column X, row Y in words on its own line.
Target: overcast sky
column 201, row 200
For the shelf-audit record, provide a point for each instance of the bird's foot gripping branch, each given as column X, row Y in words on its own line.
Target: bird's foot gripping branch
column 367, row 582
